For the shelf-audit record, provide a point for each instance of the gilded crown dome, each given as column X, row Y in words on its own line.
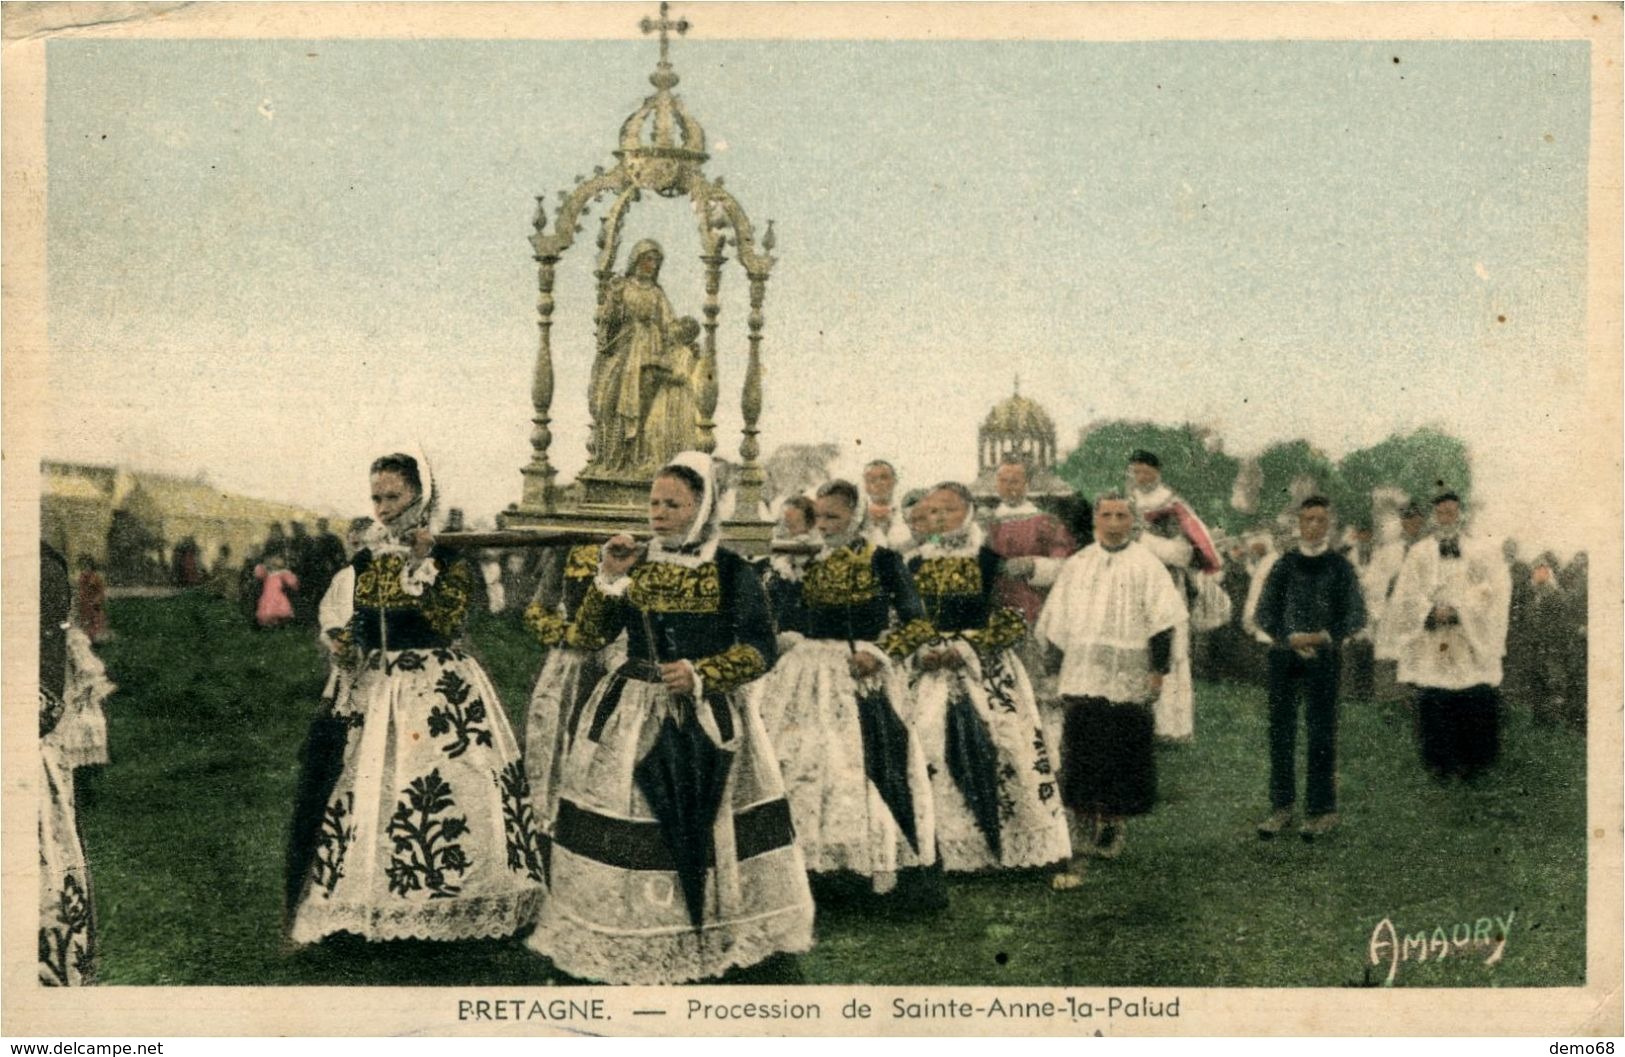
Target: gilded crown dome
column 1021, row 416
column 662, row 146
column 662, row 124
column 1017, row 428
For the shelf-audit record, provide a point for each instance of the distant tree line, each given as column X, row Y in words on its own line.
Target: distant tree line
column 1236, row 495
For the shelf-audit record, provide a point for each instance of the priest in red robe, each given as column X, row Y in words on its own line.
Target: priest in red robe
column 1034, row 546
column 1032, row 543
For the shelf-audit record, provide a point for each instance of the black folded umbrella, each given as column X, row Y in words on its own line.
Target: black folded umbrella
column 885, row 759
column 973, row 764
column 320, row 762
column 683, row 777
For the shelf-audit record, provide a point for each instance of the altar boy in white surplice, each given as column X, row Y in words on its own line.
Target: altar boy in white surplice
column 1113, row 613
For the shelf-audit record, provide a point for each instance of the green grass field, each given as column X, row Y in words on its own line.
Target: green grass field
column 185, row 834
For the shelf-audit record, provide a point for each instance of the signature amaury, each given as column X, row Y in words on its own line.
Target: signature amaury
column 1485, row 934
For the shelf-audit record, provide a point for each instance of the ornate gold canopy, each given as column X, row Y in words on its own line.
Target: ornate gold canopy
column 661, row 150
column 1017, row 427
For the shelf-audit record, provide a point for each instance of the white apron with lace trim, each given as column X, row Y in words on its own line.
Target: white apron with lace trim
column 81, row 735
column 809, row 704
column 66, row 927
column 616, row 911
column 429, row 832
column 1033, row 830
column 566, row 681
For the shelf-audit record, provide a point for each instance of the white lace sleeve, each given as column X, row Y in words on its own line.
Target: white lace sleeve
column 338, row 604
column 1045, row 571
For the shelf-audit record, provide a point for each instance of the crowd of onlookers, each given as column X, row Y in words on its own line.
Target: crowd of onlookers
column 1546, row 635
column 283, row 579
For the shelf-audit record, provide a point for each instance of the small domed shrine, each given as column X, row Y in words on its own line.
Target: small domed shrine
column 1018, row 426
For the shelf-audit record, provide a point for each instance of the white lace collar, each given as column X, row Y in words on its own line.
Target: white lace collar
column 850, row 541
column 966, row 543
column 1024, row 508
column 1152, row 498
column 393, row 537
column 701, row 554
column 790, row 566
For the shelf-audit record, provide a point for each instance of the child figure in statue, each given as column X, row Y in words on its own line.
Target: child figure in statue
column 670, row 419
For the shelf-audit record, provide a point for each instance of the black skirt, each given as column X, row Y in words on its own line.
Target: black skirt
column 1459, row 730
column 1108, row 757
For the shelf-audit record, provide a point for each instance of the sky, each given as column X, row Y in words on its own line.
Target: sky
column 271, row 260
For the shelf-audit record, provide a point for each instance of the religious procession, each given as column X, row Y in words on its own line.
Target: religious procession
column 665, row 722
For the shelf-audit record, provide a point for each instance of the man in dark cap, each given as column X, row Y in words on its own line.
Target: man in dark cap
column 1170, row 529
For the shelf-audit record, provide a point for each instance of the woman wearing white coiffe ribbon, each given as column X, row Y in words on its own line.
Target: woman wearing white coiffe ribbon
column 67, row 927
column 674, row 857
column 426, row 831
column 994, row 783
column 567, row 679
column 835, row 706
column 73, row 734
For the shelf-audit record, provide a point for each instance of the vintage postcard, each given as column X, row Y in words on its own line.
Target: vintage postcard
column 812, row 519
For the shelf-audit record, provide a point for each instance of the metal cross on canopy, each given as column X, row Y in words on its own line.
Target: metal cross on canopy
column 664, row 24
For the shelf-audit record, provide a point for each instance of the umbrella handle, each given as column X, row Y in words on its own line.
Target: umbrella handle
column 681, row 700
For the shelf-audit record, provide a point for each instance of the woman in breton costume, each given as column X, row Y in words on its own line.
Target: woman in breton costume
column 835, row 704
column 73, row 734
column 427, row 829
column 566, row 681
column 82, row 733
column 782, row 572
column 992, row 772
column 674, row 858
column 67, row 947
